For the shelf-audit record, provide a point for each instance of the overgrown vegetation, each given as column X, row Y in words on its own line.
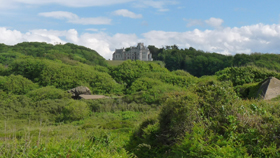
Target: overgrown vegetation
column 200, row 63
column 151, row 111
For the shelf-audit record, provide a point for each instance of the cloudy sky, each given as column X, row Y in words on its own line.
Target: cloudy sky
column 222, row 26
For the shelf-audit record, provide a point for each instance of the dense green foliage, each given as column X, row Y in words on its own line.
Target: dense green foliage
column 50, row 73
column 149, row 110
column 46, row 93
column 16, row 84
column 196, row 62
column 200, row 63
column 67, row 53
column 129, row 71
column 243, row 75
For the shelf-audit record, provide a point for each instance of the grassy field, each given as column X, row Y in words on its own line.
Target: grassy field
column 101, row 135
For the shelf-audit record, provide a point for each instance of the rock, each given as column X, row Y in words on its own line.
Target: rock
column 81, row 90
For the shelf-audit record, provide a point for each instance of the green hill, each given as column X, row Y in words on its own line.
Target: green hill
column 67, row 53
column 149, row 110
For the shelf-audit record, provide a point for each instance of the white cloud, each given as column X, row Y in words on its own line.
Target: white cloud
column 59, row 15
column 160, row 5
column 194, row 22
column 101, row 42
column 12, row 37
column 127, row 13
column 92, row 29
column 91, row 21
column 6, row 4
column 214, row 22
column 246, row 39
column 73, row 18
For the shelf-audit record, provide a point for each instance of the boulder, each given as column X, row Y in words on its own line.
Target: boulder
column 81, row 90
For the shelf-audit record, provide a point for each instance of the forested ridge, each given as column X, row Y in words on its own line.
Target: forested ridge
column 200, row 63
column 199, row 105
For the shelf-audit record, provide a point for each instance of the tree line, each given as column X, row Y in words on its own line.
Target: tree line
column 200, row 63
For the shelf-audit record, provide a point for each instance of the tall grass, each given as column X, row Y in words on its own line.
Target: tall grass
column 101, row 135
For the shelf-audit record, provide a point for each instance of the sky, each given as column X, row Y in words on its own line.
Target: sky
column 222, row 26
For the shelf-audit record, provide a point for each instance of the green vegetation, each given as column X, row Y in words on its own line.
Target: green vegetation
column 67, row 53
column 114, row 62
column 200, row 63
column 150, row 112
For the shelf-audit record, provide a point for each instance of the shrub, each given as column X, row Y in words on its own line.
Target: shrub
column 182, row 73
column 171, row 78
column 243, row 75
column 75, row 110
column 16, row 84
column 249, row 90
column 216, row 98
column 129, row 71
column 114, row 105
column 45, row 93
column 143, row 84
column 117, row 124
column 202, row 143
column 15, row 106
column 101, row 68
column 154, row 95
column 51, row 110
column 144, row 141
column 177, row 116
column 59, row 75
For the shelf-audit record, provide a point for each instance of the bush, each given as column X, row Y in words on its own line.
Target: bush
column 156, row 135
column 177, row 116
column 143, row 84
column 171, row 78
column 15, row 106
column 182, row 73
column 243, row 75
column 249, row 91
column 45, row 93
column 154, row 95
column 16, row 84
column 144, row 141
column 216, row 98
column 51, row 110
column 129, row 71
column 50, row 73
column 114, row 105
column 75, row 111
column 101, row 68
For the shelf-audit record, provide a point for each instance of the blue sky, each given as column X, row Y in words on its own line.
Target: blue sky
column 222, row 26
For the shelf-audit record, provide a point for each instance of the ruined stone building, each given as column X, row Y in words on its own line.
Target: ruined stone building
column 140, row 52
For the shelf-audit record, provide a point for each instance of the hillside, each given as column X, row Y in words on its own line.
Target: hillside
column 150, row 111
column 67, row 53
